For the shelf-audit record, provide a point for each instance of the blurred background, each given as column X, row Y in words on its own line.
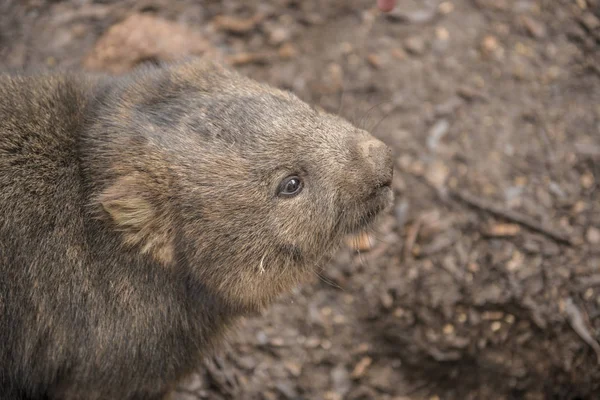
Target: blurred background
column 484, row 281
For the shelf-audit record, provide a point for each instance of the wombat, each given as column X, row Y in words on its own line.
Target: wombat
column 141, row 214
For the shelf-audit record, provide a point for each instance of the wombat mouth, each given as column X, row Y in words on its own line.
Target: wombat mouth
column 381, row 200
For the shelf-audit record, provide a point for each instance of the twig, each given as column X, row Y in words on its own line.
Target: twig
column 513, row 216
column 576, row 320
column 411, row 238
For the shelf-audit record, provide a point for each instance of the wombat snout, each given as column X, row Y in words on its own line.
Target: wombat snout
column 380, row 159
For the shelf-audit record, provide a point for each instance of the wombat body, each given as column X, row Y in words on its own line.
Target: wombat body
column 139, row 215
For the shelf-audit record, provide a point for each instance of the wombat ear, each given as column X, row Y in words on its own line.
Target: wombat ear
column 126, row 205
column 126, row 202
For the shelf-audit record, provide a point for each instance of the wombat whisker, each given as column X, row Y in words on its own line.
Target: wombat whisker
column 354, row 115
column 377, row 238
column 378, row 235
column 372, row 130
column 361, row 124
column 361, row 259
column 353, row 118
column 327, row 281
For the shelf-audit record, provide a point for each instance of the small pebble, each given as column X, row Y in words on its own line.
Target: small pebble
column 442, row 33
column 446, row 7
column 533, row 27
column 437, row 132
column 340, row 379
column 287, row 390
column 516, row 261
column 79, row 30
column 489, row 44
column 262, row 338
column 415, row 45
column 293, row 368
column 398, row 53
column 346, row 48
column 412, row 17
column 332, row 396
column 590, row 21
column 374, row 60
column 287, row 51
column 448, row 329
column 587, row 180
column 312, row 342
column 593, row 235
column 278, row 35
column 386, row 300
column 362, row 348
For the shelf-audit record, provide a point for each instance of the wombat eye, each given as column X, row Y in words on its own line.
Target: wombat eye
column 290, row 186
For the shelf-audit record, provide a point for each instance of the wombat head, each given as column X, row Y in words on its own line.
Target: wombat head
column 244, row 184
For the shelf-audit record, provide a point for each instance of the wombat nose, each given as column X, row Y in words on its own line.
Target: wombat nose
column 380, row 157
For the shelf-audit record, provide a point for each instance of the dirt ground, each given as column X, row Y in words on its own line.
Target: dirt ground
column 484, row 281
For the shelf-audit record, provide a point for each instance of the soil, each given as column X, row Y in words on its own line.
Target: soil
column 484, row 281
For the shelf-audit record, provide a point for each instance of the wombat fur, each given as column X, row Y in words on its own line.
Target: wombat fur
column 140, row 215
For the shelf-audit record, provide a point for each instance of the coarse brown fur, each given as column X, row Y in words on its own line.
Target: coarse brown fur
column 139, row 215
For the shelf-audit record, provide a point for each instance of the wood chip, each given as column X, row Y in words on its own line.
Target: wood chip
column 236, row 24
column 503, row 230
column 361, row 367
column 249, row 58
